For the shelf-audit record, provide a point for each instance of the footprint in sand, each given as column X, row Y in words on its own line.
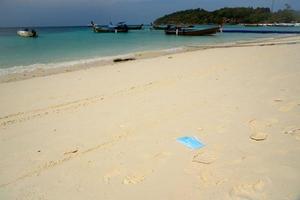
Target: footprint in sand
column 258, row 136
column 256, row 127
column 205, row 157
column 288, row 107
column 262, row 124
column 140, row 174
column 134, row 179
column 161, row 155
column 271, row 121
column 251, row 191
column 209, row 178
column 111, row 174
column 293, row 131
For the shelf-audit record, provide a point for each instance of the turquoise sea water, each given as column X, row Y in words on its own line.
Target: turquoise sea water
column 63, row 44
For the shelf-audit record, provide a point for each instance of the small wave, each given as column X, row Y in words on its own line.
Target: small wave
column 82, row 62
column 67, row 64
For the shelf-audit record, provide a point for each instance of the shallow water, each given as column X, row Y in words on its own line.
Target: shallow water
column 62, row 44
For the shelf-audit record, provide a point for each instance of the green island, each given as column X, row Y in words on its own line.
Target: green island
column 239, row 15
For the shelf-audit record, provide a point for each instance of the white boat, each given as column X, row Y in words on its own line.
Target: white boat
column 27, row 33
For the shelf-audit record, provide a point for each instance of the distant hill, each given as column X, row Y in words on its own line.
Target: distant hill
column 230, row 16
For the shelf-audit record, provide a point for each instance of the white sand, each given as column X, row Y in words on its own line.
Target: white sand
column 110, row 132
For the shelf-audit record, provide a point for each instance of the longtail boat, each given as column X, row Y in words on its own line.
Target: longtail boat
column 120, row 28
column 165, row 27
column 192, row 32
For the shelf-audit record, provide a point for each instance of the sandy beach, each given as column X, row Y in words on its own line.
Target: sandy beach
column 110, row 132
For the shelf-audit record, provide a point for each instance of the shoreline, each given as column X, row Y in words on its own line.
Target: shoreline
column 108, row 131
column 41, row 70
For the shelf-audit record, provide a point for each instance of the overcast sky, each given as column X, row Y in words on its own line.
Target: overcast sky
column 80, row 12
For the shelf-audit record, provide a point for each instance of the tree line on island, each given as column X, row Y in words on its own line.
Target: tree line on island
column 240, row 15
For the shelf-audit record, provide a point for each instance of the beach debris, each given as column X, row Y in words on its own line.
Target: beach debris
column 258, row 136
column 71, row 152
column 204, row 157
column 123, row 59
column 191, row 142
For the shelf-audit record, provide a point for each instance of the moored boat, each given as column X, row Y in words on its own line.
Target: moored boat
column 120, row 28
column 27, row 33
column 192, row 32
